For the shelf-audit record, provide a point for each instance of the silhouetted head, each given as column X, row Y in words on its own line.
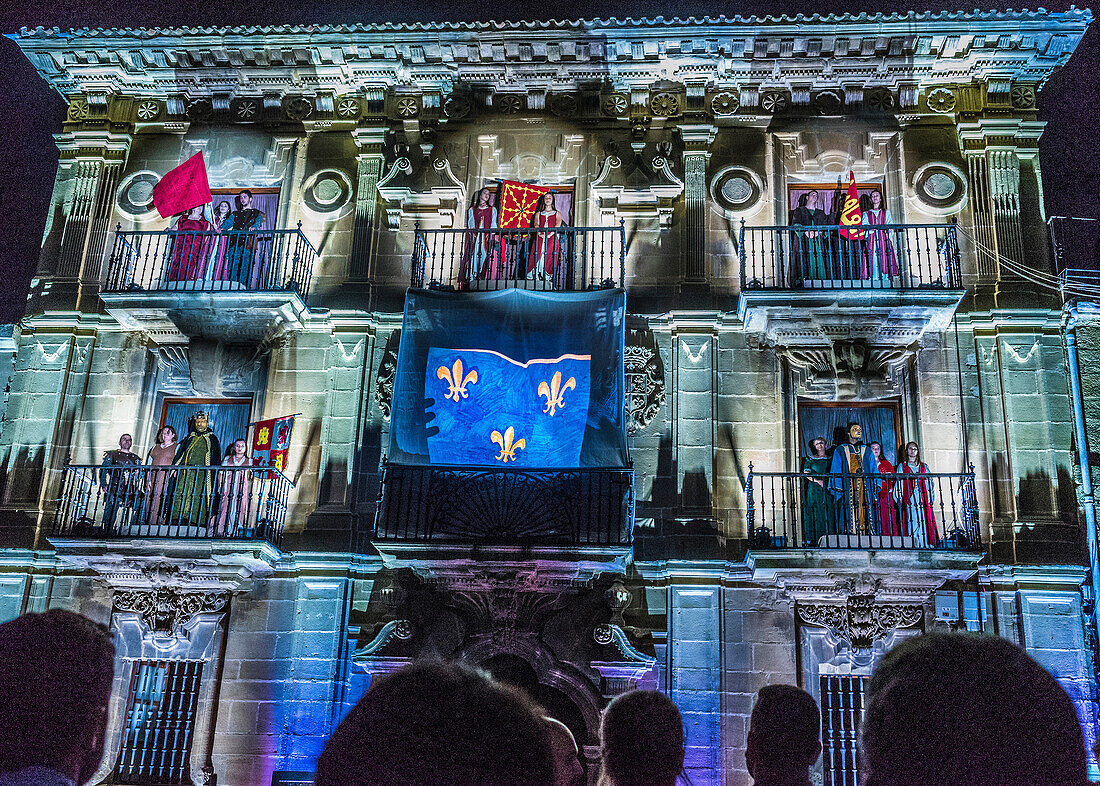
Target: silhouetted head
column 956, row 709
column 436, row 724
column 568, row 770
column 784, row 737
column 56, row 671
column 642, row 740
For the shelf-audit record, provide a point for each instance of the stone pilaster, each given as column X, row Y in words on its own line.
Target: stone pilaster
column 993, row 150
column 697, row 142
column 370, row 142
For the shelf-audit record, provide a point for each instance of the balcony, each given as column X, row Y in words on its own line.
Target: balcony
column 803, row 285
column 232, row 285
column 186, row 503
column 576, row 508
column 933, row 511
column 565, row 259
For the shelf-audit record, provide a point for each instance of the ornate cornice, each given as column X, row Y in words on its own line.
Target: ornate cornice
column 717, row 65
column 165, row 610
column 861, row 621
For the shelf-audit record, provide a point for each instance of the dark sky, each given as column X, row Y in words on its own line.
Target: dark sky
column 30, row 113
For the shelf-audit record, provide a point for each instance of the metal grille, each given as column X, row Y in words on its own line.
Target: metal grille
column 841, row 715
column 160, row 722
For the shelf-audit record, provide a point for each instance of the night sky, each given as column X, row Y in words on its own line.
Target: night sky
column 30, row 112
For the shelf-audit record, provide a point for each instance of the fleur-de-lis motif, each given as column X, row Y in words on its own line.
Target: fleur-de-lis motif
column 555, row 392
column 508, row 444
column 456, row 380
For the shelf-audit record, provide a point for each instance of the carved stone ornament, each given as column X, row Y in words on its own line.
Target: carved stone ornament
column 828, row 102
column 148, row 110
column 860, row 621
column 564, row 105
column 387, row 372
column 880, row 100
column 165, row 609
column 614, row 104
column 645, row 379
column 298, row 109
column 406, row 107
column 78, row 110
column 724, row 103
column 247, row 109
column 664, row 104
column 199, row 110
column 510, row 104
column 775, row 102
column 941, row 100
column 1023, row 97
column 348, row 108
column 458, row 106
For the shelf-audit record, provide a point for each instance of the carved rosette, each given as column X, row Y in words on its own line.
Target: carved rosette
column 860, row 621
column 166, row 609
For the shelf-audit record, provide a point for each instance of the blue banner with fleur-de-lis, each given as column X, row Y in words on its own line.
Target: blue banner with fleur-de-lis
column 510, row 378
column 493, row 410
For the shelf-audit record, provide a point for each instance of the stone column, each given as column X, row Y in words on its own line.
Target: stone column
column 694, row 674
column 697, row 140
column 694, row 405
column 91, row 164
column 370, row 141
column 993, row 150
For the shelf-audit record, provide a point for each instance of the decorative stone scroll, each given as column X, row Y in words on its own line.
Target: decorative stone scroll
column 860, row 621
column 165, row 609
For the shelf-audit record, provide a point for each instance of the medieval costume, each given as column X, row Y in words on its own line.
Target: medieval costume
column 879, row 260
column 242, row 253
column 195, row 487
column 190, row 249
column 808, row 245
column 234, row 495
column 887, row 510
column 478, row 249
column 223, row 222
column 915, row 496
column 854, row 470
column 546, row 247
column 119, row 487
column 157, row 480
column 818, row 505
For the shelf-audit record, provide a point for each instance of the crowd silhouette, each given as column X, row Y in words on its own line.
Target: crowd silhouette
column 942, row 710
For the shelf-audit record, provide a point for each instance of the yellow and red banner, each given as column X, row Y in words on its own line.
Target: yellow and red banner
column 851, row 217
column 518, row 202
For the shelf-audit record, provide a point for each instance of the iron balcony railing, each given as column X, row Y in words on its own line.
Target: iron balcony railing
column 145, row 501
column 560, row 259
column 885, row 257
column 935, row 510
column 580, row 507
column 261, row 260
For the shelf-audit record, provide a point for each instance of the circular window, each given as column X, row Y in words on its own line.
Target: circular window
column 327, row 192
column 940, row 187
column 135, row 195
column 737, row 191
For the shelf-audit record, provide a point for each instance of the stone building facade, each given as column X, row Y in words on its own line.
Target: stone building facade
column 682, row 149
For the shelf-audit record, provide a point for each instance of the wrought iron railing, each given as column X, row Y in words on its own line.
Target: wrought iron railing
column 936, row 510
column 260, row 260
column 560, row 259
column 886, row 256
column 144, row 501
column 468, row 505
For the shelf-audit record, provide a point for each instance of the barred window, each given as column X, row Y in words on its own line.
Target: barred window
column 841, row 716
column 160, row 723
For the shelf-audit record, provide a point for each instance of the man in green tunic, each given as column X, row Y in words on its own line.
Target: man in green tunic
column 195, row 487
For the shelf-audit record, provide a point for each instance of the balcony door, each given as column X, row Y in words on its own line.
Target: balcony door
column 881, row 422
column 229, row 417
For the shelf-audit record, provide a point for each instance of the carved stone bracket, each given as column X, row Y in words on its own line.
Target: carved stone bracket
column 848, row 368
column 166, row 610
column 861, row 621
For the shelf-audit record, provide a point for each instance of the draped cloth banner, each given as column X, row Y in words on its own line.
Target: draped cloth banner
column 271, row 442
column 851, row 217
column 518, row 202
column 510, row 379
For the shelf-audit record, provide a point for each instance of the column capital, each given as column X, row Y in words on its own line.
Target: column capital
column 99, row 144
column 698, row 137
column 369, row 139
column 999, row 132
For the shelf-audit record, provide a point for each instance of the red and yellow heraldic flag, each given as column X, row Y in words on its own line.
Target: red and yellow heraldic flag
column 851, row 218
column 271, row 442
column 518, row 202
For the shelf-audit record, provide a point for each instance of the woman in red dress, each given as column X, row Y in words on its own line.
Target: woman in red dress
column 887, row 510
column 546, row 246
column 190, row 247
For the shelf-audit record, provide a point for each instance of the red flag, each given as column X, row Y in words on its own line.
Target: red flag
column 851, row 218
column 517, row 204
column 183, row 188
